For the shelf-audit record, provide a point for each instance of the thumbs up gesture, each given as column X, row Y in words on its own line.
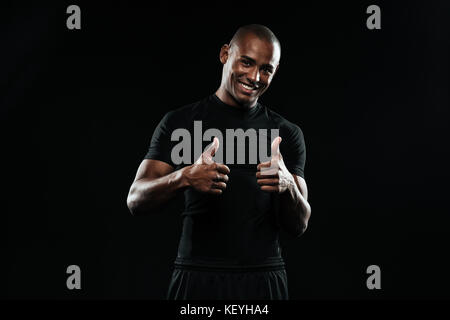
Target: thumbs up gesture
column 273, row 176
column 206, row 175
column 208, row 154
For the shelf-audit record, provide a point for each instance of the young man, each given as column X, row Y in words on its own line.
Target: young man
column 229, row 246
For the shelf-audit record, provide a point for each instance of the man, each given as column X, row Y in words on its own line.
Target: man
column 229, row 246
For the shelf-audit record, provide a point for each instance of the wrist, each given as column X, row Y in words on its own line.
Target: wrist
column 290, row 185
column 184, row 179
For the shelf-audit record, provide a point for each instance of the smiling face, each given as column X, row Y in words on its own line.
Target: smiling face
column 249, row 65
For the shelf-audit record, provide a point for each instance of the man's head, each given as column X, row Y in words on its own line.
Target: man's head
column 249, row 61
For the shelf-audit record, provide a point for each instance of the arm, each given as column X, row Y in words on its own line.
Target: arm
column 273, row 176
column 295, row 209
column 156, row 182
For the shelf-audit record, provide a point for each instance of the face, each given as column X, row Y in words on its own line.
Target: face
column 249, row 67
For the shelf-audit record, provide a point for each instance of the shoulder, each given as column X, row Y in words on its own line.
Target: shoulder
column 184, row 113
column 286, row 127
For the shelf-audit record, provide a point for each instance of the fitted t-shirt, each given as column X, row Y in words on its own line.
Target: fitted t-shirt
column 238, row 228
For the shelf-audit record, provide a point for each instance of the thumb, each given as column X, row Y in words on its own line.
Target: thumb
column 212, row 148
column 209, row 152
column 276, row 147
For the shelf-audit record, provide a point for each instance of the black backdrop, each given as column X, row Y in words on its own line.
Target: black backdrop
column 78, row 109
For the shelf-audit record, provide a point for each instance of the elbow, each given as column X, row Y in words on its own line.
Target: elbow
column 299, row 230
column 301, row 225
column 132, row 205
column 138, row 206
column 135, row 207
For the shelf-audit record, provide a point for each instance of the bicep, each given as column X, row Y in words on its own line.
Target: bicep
column 153, row 169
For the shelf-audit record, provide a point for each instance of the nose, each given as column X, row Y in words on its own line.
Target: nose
column 253, row 75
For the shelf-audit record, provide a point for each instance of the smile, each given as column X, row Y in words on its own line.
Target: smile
column 247, row 87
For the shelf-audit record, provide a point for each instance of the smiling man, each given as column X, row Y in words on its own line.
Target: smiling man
column 250, row 62
column 229, row 246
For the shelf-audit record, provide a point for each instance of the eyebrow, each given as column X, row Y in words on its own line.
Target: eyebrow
column 254, row 61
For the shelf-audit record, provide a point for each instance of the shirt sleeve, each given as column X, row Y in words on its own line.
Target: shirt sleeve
column 293, row 149
column 161, row 144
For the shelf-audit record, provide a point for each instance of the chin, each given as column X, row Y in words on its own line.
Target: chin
column 246, row 101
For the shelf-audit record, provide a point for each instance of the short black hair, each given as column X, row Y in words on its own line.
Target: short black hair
column 258, row 30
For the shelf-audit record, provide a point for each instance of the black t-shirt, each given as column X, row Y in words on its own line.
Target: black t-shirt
column 238, row 228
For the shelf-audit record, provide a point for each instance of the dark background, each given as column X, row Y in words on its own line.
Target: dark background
column 78, row 108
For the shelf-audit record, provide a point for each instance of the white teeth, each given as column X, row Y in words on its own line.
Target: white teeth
column 246, row 86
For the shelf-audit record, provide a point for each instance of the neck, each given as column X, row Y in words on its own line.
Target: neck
column 228, row 99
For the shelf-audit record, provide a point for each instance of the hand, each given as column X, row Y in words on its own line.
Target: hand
column 206, row 175
column 273, row 176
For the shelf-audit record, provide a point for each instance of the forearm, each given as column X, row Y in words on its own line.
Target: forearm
column 147, row 195
column 295, row 210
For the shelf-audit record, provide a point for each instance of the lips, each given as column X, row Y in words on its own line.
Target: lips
column 247, row 88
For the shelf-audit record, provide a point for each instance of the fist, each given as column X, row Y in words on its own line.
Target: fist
column 206, row 175
column 273, row 176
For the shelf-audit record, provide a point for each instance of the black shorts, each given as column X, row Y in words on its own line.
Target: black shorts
column 190, row 283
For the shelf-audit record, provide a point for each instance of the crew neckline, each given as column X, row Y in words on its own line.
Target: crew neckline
column 230, row 108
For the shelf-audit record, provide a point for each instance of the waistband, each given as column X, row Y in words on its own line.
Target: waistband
column 269, row 264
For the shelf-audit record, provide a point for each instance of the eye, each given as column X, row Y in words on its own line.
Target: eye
column 246, row 63
column 267, row 71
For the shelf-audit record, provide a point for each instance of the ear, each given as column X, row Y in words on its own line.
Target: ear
column 224, row 53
